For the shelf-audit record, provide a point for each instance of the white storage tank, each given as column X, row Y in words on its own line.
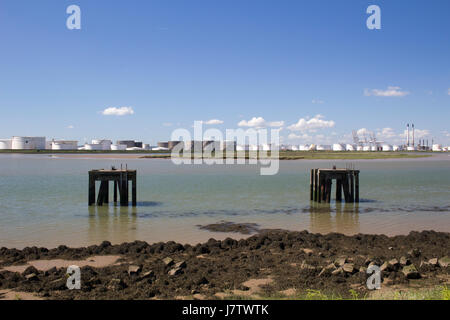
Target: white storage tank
column 436, row 147
column 324, row 148
column 366, row 148
column 64, row 145
column 28, row 143
column 106, row 144
column 387, row 147
column 93, row 146
column 359, row 148
column 338, row 147
column 118, row 147
column 396, row 148
column 350, row 147
column 5, row 144
column 411, row 149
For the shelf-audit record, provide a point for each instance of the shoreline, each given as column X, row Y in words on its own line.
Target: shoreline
column 283, row 155
column 271, row 264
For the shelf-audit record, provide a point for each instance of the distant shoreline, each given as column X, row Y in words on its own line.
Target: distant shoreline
column 283, row 155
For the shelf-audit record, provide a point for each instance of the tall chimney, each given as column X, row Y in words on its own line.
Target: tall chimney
column 413, row 135
column 407, row 138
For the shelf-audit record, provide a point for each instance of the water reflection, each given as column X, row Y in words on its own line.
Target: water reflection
column 116, row 223
column 337, row 217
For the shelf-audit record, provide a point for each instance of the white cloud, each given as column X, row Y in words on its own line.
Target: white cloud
column 70, row 127
column 387, row 133
column 389, row 92
column 167, row 124
column 312, row 124
column 122, row 111
column 213, row 121
column 259, row 122
column 317, row 101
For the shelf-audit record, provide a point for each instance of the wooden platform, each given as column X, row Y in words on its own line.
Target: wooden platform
column 120, row 178
column 347, row 180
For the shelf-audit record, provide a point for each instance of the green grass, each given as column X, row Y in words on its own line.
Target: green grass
column 436, row 293
column 315, row 155
column 283, row 155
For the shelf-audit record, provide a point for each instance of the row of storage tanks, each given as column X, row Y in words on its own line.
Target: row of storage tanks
column 40, row 143
column 352, row 147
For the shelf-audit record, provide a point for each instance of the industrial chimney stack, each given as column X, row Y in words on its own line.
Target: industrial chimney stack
column 413, row 144
column 407, row 138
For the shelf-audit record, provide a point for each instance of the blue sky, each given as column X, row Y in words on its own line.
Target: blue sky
column 173, row 62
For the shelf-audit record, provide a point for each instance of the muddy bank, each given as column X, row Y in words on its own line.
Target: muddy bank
column 225, row 226
column 270, row 263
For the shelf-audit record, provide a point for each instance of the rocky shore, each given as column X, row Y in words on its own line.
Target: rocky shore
column 272, row 263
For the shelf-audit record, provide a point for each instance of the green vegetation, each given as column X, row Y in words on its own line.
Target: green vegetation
column 283, row 155
column 316, row 155
column 435, row 293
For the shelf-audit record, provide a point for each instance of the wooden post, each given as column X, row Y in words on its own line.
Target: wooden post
column 115, row 191
column 352, row 187
column 106, row 192
column 329, row 186
column 346, row 189
column 320, row 187
column 102, row 193
column 316, row 184
column 338, row 190
column 133, row 191
column 91, row 189
column 357, row 187
column 124, row 190
column 311, row 186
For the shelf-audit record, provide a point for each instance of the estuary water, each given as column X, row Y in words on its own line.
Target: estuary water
column 43, row 200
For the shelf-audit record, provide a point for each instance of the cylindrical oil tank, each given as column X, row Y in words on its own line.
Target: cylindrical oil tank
column 106, row 144
column 118, row 147
column 65, row 145
column 128, row 143
column 387, row 147
column 92, row 146
column 23, row 143
column 39, row 143
column 350, row 147
column 5, row 144
column 338, row 147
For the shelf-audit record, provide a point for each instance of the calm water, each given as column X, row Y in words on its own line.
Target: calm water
column 43, row 200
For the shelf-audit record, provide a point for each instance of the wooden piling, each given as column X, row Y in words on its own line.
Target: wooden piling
column 115, row 191
column 357, row 186
column 352, row 186
column 347, row 182
column 91, row 189
column 316, row 184
column 121, row 179
column 338, row 190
